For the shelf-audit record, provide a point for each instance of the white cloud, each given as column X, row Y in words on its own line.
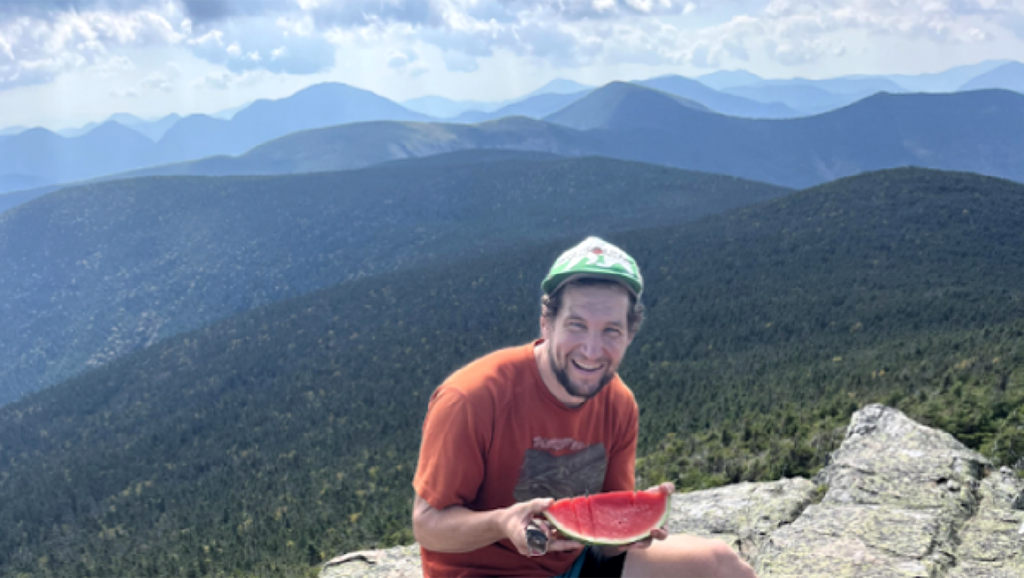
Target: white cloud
column 39, row 40
column 250, row 43
column 400, row 59
column 163, row 80
column 113, row 66
column 406, row 62
column 229, row 80
column 220, row 81
column 124, row 93
column 36, row 45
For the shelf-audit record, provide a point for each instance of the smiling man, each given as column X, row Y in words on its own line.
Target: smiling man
column 515, row 430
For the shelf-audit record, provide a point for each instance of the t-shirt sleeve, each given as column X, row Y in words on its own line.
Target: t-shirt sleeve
column 622, row 455
column 451, row 463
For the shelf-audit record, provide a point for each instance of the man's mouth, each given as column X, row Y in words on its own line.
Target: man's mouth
column 586, row 367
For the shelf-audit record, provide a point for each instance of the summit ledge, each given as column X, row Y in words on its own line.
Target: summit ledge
column 898, row 499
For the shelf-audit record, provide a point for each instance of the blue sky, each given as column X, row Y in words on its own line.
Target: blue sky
column 66, row 62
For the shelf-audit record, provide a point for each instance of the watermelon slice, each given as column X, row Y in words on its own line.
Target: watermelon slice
column 611, row 518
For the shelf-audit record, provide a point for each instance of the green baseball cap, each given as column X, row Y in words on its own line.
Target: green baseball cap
column 594, row 257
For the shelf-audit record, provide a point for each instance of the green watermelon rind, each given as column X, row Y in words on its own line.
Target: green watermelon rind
column 591, row 541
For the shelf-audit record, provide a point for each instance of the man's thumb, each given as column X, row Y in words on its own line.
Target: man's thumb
column 538, row 505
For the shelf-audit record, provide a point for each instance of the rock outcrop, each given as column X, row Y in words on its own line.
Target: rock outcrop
column 898, row 499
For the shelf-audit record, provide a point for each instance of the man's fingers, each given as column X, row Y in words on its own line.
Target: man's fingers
column 538, row 505
column 564, row 545
column 639, row 544
column 664, row 487
column 659, row 533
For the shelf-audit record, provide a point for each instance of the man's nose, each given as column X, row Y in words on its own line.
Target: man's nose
column 592, row 345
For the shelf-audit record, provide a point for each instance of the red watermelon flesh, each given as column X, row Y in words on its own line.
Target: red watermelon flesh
column 611, row 518
column 584, row 519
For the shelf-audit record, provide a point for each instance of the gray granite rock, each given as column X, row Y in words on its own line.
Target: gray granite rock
column 400, row 562
column 992, row 542
column 742, row 515
column 898, row 495
column 902, row 500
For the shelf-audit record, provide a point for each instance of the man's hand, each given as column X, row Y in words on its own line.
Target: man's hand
column 661, row 533
column 517, row 517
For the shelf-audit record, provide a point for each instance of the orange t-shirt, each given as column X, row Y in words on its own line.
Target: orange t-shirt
column 494, row 435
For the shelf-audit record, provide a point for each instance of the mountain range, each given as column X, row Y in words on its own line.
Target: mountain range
column 981, row 131
column 35, row 157
column 97, row 271
column 259, row 444
column 112, row 147
column 447, row 109
column 1009, row 76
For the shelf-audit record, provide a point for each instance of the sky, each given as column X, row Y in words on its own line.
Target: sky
column 64, row 63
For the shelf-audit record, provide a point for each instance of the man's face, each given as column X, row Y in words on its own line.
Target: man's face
column 588, row 337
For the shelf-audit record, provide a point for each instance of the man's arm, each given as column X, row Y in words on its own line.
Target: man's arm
column 459, row 529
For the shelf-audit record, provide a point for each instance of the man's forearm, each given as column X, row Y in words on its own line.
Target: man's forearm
column 456, row 528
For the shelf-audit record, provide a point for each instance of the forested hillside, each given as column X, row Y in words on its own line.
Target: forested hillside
column 94, row 272
column 268, row 441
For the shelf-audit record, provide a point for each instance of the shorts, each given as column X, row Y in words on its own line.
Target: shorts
column 591, row 563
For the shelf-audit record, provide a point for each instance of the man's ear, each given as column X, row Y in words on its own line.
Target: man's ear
column 545, row 328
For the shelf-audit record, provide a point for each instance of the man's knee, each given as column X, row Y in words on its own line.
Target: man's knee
column 689, row 556
column 728, row 563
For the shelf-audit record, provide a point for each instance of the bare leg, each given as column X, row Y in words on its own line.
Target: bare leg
column 686, row 556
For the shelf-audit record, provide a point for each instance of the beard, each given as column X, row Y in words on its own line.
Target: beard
column 575, row 389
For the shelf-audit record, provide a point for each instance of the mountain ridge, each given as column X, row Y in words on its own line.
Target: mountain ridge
column 99, row 270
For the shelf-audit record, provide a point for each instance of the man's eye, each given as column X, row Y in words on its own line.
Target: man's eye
column 612, row 331
column 575, row 326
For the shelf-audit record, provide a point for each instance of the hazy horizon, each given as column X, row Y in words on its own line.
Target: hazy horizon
column 69, row 62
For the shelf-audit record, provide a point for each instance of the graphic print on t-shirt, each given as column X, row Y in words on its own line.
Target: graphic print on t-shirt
column 544, row 475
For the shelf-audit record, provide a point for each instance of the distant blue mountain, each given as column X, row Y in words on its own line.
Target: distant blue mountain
column 39, row 157
column 723, row 79
column 12, row 130
column 946, row 81
column 45, row 157
column 1009, row 76
column 229, row 113
column 445, row 108
column 722, row 102
column 78, row 131
column 625, row 105
column 560, row 86
column 198, row 136
column 801, row 97
column 153, row 130
column 42, row 156
column 859, row 86
column 537, row 106
column 980, row 131
column 125, row 119
column 318, row 106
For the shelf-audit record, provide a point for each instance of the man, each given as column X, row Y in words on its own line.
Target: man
column 516, row 429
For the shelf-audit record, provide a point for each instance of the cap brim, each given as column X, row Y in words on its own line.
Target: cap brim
column 559, row 281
